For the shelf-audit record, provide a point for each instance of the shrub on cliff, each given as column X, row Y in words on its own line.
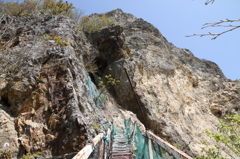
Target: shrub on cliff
column 57, row 7
column 91, row 24
column 18, row 9
column 28, row 7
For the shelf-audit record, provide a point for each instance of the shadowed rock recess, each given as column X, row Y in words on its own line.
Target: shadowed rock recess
column 46, row 99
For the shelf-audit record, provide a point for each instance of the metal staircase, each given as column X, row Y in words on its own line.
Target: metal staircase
column 114, row 144
column 120, row 147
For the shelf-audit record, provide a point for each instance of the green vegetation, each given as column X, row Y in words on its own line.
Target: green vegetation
column 211, row 153
column 9, row 155
column 229, row 135
column 91, row 66
column 134, row 37
column 60, row 40
column 5, row 155
column 32, row 155
column 57, row 7
column 177, row 145
column 109, row 81
column 91, row 24
column 96, row 126
column 18, row 9
column 28, row 7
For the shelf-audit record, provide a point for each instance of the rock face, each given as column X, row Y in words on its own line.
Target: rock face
column 47, row 101
column 44, row 87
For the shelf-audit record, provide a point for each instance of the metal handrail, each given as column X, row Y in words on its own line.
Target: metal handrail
column 89, row 148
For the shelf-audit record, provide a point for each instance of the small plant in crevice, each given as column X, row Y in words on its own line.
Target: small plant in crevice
column 60, row 40
column 96, row 127
column 91, row 66
column 32, row 155
column 134, row 37
column 9, row 155
column 110, row 81
column 177, row 145
column 1, row 43
column 6, row 155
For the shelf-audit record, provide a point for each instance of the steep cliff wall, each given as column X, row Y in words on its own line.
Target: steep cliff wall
column 46, row 100
column 180, row 96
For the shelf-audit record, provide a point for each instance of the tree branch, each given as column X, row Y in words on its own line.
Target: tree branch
column 218, row 24
column 209, row 1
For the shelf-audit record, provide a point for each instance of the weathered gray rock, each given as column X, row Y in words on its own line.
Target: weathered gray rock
column 8, row 134
column 45, row 88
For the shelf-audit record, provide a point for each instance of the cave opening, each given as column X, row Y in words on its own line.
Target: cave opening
column 98, row 67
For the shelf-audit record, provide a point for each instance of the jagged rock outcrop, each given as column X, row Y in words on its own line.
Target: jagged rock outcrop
column 44, row 84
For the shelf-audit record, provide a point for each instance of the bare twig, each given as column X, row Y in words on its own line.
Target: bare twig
column 220, row 22
column 209, row 1
column 217, row 24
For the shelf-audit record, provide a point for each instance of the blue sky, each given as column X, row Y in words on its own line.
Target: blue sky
column 177, row 18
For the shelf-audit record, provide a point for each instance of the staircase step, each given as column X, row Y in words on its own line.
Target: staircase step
column 120, row 147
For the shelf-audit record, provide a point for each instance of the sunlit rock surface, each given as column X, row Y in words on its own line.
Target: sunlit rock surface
column 48, row 91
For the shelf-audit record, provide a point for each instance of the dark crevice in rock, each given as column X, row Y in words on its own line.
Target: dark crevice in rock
column 15, row 43
column 92, row 77
column 216, row 112
column 5, row 102
column 22, row 151
column 5, row 105
column 101, row 65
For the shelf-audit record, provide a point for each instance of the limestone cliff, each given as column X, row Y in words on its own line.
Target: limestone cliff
column 46, row 95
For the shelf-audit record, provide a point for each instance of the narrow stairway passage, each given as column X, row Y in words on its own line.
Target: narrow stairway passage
column 120, row 147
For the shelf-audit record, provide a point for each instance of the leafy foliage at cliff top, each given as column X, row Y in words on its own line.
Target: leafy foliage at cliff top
column 28, row 7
